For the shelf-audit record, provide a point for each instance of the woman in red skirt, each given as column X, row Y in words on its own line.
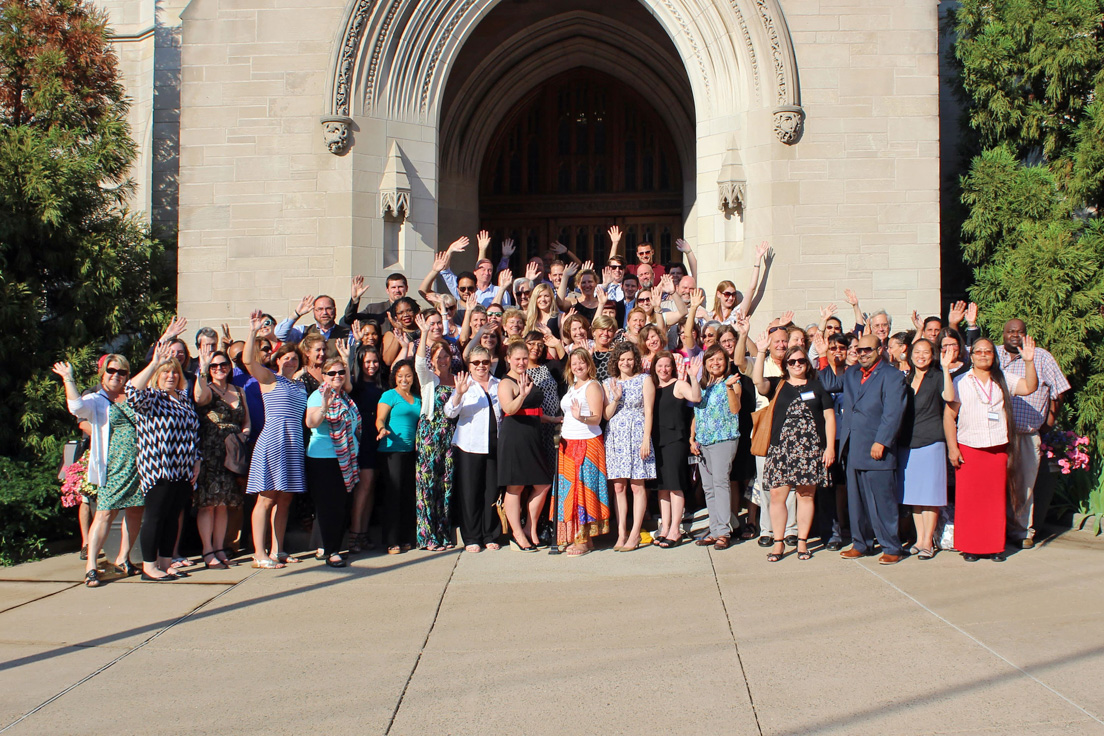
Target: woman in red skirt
column 978, row 447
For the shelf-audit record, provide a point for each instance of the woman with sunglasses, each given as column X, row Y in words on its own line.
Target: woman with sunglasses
column 725, row 302
column 331, row 466
column 523, row 292
column 112, row 460
column 168, row 456
column 267, row 331
column 650, row 299
column 802, row 443
column 433, row 365
column 276, row 468
column 222, row 412
column 714, row 434
column 366, row 394
column 676, row 387
column 523, row 459
column 475, row 409
column 397, row 416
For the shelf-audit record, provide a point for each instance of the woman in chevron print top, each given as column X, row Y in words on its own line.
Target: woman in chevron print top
column 168, row 456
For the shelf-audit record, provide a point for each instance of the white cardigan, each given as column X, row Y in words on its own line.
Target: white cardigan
column 473, row 427
column 93, row 408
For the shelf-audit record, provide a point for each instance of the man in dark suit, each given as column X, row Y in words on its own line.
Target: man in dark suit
column 873, row 405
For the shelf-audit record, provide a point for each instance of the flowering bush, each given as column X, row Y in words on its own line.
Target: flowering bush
column 1069, row 448
column 76, row 483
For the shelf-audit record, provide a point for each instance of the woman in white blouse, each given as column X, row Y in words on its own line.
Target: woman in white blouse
column 978, row 447
column 474, row 406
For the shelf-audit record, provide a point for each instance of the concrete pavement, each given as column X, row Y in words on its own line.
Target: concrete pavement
column 503, row 642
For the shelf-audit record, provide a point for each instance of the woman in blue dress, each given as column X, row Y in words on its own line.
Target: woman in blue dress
column 630, row 395
column 276, row 470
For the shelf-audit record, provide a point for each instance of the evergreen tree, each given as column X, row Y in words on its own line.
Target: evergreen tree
column 76, row 270
column 1033, row 74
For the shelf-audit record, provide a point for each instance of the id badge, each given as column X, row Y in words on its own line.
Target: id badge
column 994, row 416
column 807, row 395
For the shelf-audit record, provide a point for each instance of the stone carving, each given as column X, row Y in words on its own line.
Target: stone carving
column 337, row 133
column 395, row 203
column 395, row 185
column 690, row 38
column 349, row 45
column 377, row 51
column 747, row 41
column 731, row 196
column 446, row 34
column 789, row 121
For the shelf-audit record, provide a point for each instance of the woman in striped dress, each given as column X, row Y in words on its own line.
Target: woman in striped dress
column 276, row 470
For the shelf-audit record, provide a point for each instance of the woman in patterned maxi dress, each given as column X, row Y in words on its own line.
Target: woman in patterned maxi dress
column 630, row 395
column 433, row 497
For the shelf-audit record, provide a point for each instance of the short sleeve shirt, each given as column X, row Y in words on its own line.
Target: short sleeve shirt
column 981, row 419
column 1031, row 411
column 402, row 422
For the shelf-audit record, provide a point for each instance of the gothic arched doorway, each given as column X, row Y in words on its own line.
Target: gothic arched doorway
column 579, row 153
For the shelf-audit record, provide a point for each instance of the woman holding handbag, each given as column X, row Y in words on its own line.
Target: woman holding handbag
column 222, row 414
column 713, row 437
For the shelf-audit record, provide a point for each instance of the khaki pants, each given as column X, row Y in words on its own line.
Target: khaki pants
column 1021, row 502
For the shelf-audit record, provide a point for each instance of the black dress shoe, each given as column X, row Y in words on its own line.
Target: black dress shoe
column 765, row 541
column 833, row 546
column 791, row 540
column 152, row 579
column 999, row 557
column 970, row 558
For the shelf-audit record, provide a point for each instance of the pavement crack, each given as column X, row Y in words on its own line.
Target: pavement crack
column 421, row 651
column 125, row 654
column 39, row 598
column 735, row 644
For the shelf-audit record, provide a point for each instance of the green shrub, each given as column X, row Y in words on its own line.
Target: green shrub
column 30, row 508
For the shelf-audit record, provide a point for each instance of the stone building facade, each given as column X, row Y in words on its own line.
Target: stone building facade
column 295, row 143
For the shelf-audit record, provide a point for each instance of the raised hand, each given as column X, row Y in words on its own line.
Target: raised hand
column 256, row 317
column 743, row 324
column 762, row 249
column 305, row 305
column 916, row 320
column 482, row 240
column 614, row 234
column 1027, row 350
column 786, row 317
column 763, row 341
column 600, row 295
column 420, row 320
column 607, row 275
column 956, row 313
column 945, row 359
column 471, row 302
column 176, row 328
column 163, row 354
column 531, row 272
column 971, row 314
column 666, row 285
column 63, row 370
column 440, row 261
column 733, row 380
column 505, row 278
column 343, row 351
column 206, row 352
column 558, row 248
column 696, row 364
column 820, row 343
column 458, row 245
column 508, row 247
column 327, row 396
column 358, row 328
column 828, row 311
column 227, row 340
column 587, row 266
column 613, row 390
column 680, row 369
column 571, row 269
column 576, row 409
column 462, row 381
column 358, row 288
column 682, row 246
column 697, row 298
column 850, row 297
column 525, row 385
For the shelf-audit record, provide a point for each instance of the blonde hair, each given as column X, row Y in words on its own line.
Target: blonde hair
column 172, row 365
column 534, row 313
column 112, row 358
column 602, row 322
column 717, row 300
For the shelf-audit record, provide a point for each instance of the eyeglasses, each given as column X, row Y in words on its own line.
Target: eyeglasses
column 773, row 330
column 645, row 300
column 617, row 266
column 116, row 372
column 983, row 352
column 479, row 362
column 335, row 373
column 494, row 314
column 221, row 365
column 524, row 291
column 840, row 348
column 465, row 288
column 729, row 294
column 325, row 309
column 794, row 362
column 864, row 351
column 268, row 323
column 266, row 348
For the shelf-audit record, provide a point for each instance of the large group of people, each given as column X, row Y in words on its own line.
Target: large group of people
column 507, row 410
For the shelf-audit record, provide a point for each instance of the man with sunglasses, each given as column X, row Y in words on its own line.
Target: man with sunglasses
column 325, row 320
column 396, row 286
column 874, row 399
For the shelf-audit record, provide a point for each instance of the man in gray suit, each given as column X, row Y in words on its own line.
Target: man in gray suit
column 872, row 407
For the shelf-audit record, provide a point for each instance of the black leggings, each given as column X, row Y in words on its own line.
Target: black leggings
column 477, row 483
column 164, row 501
column 327, row 487
column 398, row 497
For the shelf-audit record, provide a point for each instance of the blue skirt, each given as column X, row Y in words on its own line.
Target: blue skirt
column 924, row 479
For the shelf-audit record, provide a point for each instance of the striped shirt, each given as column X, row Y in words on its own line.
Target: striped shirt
column 1030, row 412
column 168, row 435
column 978, row 403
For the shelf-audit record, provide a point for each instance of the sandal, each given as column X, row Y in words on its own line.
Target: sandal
column 266, row 563
column 573, row 551
column 285, row 559
column 335, row 560
column 776, row 556
column 663, row 542
column 722, row 543
column 705, row 541
column 218, row 564
column 354, row 543
column 394, row 550
column 92, row 579
column 806, row 555
column 494, row 546
column 178, row 562
column 224, row 559
column 473, row 548
column 749, row 532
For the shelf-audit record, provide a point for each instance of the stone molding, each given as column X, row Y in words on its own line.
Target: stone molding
column 789, row 118
column 337, row 133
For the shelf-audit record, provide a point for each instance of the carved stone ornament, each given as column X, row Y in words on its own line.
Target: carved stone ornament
column 789, row 123
column 337, row 133
column 731, row 195
column 395, row 185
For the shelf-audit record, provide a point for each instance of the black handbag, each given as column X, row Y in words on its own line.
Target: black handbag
column 237, row 454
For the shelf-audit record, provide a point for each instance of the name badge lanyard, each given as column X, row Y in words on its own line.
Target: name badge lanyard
column 987, row 395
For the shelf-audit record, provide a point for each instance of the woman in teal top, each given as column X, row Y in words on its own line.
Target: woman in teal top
column 331, row 465
column 397, row 424
column 714, row 434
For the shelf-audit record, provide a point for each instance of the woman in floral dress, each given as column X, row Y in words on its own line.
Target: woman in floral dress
column 630, row 395
column 433, row 365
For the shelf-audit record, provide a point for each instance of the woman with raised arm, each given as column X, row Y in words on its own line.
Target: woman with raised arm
column 112, row 460
column 332, row 453
column 978, row 446
column 922, row 452
column 582, row 494
column 366, row 394
column 954, row 350
column 714, row 434
column 676, row 387
column 650, row 299
column 433, row 365
column 576, row 331
column 276, row 469
column 523, row 459
column 168, row 456
column 312, row 349
column 802, row 443
column 724, row 302
column 652, row 342
column 474, row 407
column 630, row 397
column 398, row 342
column 222, row 413
column 396, row 426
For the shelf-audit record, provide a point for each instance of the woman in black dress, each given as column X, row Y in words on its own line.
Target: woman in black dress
column 366, row 394
column 523, row 460
column 675, row 385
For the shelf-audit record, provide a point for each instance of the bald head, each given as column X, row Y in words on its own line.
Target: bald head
column 868, row 350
